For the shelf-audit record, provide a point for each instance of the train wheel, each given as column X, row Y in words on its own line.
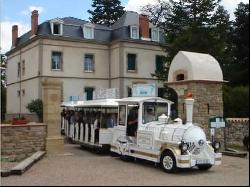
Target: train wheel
column 204, row 167
column 168, row 162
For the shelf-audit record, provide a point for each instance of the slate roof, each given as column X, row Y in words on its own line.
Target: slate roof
column 72, row 28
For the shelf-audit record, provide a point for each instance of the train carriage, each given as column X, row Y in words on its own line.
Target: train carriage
column 142, row 128
column 91, row 122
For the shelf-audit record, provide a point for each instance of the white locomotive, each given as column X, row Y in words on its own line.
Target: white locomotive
column 172, row 144
column 144, row 130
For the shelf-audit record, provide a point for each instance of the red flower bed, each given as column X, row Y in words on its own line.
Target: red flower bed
column 19, row 121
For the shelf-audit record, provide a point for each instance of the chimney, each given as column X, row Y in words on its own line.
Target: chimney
column 144, row 26
column 34, row 22
column 189, row 101
column 14, row 35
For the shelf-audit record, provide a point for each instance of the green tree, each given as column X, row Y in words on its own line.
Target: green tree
column 36, row 106
column 236, row 101
column 240, row 42
column 106, row 12
column 3, row 86
column 157, row 13
column 198, row 26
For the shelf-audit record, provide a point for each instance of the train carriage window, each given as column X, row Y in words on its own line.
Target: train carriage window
column 152, row 111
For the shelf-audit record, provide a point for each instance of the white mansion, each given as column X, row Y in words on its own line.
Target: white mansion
column 84, row 56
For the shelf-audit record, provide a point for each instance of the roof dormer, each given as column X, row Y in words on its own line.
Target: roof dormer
column 56, row 26
column 134, row 32
column 88, row 31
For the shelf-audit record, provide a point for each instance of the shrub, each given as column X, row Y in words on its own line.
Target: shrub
column 236, row 101
column 36, row 106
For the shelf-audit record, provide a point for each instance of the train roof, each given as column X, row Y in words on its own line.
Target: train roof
column 98, row 103
column 132, row 100
column 114, row 102
column 68, row 104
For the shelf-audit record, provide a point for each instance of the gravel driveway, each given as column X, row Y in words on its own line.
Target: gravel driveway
column 82, row 167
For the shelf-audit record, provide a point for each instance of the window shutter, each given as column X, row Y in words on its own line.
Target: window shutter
column 159, row 63
column 89, row 93
column 131, row 62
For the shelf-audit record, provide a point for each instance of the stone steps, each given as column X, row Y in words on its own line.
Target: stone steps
column 233, row 152
column 24, row 165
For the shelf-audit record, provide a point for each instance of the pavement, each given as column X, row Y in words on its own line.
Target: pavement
column 81, row 167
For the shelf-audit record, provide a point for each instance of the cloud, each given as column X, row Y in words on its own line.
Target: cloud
column 135, row 5
column 231, row 5
column 6, row 33
column 31, row 8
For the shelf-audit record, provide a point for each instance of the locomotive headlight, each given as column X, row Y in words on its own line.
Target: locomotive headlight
column 216, row 146
column 183, row 147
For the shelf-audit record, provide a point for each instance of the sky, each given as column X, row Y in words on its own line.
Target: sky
column 18, row 12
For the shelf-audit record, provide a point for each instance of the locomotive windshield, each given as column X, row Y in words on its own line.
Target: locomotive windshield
column 152, row 110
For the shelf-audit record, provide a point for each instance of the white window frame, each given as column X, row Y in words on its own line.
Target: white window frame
column 85, row 33
column 57, row 22
column 137, row 32
column 90, row 68
column 158, row 34
column 61, row 62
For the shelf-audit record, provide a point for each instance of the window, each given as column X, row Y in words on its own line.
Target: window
column 134, row 32
column 88, row 32
column 131, row 62
column 56, row 61
column 152, row 111
column 56, row 28
column 159, row 63
column 89, row 63
column 89, row 91
column 180, row 77
column 23, row 67
column 23, row 92
column 155, row 34
column 18, row 69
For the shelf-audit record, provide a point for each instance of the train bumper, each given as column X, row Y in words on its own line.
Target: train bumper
column 189, row 161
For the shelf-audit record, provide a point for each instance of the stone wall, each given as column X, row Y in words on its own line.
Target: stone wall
column 20, row 141
column 236, row 129
column 208, row 100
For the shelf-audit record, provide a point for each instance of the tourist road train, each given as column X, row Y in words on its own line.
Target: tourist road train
column 141, row 127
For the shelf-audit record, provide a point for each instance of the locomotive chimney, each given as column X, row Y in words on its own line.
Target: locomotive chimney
column 189, row 101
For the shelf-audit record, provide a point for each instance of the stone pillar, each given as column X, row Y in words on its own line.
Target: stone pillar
column 51, row 115
column 208, row 96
